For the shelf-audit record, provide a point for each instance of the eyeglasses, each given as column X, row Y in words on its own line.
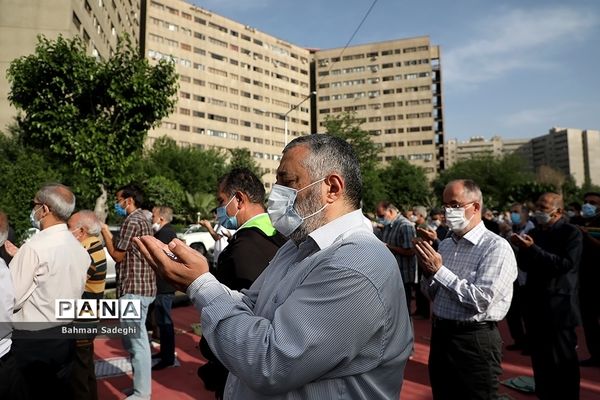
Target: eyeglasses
column 456, row 205
column 33, row 204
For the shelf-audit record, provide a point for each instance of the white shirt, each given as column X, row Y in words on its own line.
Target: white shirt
column 52, row 265
column 221, row 243
column 7, row 298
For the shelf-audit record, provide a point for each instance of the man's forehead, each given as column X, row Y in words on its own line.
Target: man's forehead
column 592, row 198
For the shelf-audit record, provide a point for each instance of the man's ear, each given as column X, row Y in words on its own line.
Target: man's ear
column 335, row 187
column 241, row 198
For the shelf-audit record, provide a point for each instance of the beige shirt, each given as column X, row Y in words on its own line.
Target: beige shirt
column 52, row 265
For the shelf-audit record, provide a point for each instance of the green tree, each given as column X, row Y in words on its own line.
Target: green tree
column 195, row 169
column 494, row 175
column 92, row 115
column 23, row 172
column 348, row 127
column 406, row 185
column 242, row 158
column 161, row 191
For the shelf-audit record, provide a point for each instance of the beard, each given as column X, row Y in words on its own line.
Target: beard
column 309, row 205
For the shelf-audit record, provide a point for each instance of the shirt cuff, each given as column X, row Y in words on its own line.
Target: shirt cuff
column 444, row 276
column 205, row 289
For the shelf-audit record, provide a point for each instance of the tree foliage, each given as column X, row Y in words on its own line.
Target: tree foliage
column 348, row 127
column 91, row 114
column 195, row 169
column 494, row 175
column 406, row 185
column 23, row 172
column 161, row 191
column 242, row 158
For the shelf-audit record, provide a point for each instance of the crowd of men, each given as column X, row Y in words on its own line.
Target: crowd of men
column 308, row 297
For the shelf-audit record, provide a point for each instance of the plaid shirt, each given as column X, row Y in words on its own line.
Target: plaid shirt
column 475, row 282
column 134, row 274
column 400, row 233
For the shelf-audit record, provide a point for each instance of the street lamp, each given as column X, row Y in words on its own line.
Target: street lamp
column 285, row 116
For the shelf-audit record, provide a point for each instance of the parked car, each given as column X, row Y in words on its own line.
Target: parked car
column 199, row 239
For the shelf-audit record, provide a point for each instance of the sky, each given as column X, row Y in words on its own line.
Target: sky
column 509, row 68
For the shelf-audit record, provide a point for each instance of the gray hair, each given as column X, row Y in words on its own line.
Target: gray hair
column 329, row 154
column 89, row 222
column 59, row 199
column 420, row 210
column 165, row 212
column 470, row 189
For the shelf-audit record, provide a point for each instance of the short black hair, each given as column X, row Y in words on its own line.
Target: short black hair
column 243, row 180
column 591, row 194
column 133, row 191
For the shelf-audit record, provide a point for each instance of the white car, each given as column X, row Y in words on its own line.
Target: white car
column 199, row 239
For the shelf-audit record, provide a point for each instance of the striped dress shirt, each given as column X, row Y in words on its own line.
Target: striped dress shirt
column 475, row 282
column 400, row 233
column 326, row 320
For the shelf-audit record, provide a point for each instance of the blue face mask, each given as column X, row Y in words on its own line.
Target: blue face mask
column 120, row 210
column 225, row 220
column 588, row 210
column 515, row 217
column 383, row 221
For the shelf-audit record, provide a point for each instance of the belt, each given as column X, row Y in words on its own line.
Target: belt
column 454, row 325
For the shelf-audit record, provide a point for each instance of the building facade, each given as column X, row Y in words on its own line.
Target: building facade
column 478, row 146
column 242, row 88
column 572, row 151
column 394, row 87
column 97, row 22
column 237, row 84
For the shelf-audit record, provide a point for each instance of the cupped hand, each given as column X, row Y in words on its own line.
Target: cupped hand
column 176, row 262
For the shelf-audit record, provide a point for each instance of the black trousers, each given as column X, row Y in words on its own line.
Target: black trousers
column 554, row 361
column 45, row 364
column 83, row 375
column 12, row 385
column 589, row 304
column 465, row 362
column 515, row 316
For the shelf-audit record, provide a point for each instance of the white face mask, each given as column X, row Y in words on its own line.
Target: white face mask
column 280, row 208
column 456, row 220
column 156, row 227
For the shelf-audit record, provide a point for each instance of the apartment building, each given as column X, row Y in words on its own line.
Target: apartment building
column 476, row 146
column 97, row 22
column 394, row 87
column 239, row 87
column 572, row 151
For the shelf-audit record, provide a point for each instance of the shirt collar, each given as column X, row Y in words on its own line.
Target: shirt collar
column 474, row 235
column 327, row 234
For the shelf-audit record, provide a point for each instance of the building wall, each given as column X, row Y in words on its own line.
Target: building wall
column 97, row 22
column 237, row 84
column 571, row 151
column 395, row 88
column 478, row 146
